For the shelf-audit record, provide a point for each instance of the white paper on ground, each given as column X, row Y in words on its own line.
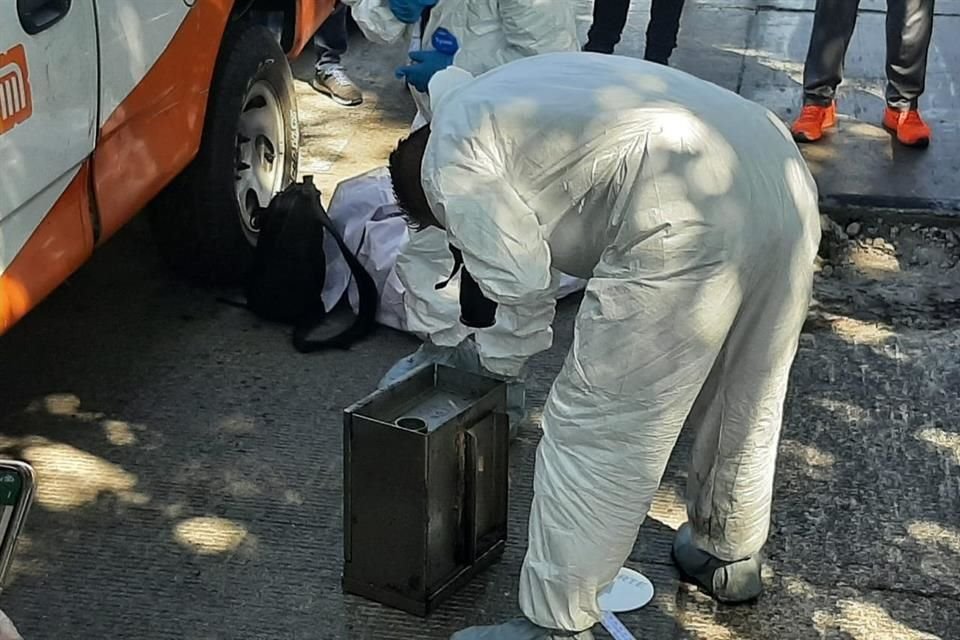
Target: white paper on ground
column 377, row 21
column 630, row 590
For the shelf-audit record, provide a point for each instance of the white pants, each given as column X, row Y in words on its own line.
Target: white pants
column 710, row 346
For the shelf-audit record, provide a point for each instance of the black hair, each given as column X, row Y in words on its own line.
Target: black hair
column 406, row 162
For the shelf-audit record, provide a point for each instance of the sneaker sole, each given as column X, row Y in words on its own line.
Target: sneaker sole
column 322, row 90
column 923, row 143
column 802, row 138
column 824, row 130
column 919, row 144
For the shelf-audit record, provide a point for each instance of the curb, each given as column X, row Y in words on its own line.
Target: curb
column 850, row 207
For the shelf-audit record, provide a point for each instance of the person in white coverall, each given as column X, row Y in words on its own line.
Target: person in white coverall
column 692, row 213
column 489, row 33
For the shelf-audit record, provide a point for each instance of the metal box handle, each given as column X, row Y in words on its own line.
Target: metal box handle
column 471, row 471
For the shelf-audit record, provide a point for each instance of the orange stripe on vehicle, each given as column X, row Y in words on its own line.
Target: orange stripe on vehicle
column 61, row 243
column 155, row 132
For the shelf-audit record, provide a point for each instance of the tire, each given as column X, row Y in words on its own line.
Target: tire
column 202, row 220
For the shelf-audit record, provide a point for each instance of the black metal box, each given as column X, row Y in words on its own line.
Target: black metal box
column 425, row 487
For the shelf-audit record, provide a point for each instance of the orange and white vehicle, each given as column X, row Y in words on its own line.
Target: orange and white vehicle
column 108, row 106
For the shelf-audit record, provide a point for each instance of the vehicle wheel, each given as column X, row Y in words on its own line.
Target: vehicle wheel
column 203, row 221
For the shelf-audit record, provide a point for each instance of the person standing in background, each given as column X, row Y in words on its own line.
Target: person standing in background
column 329, row 77
column 909, row 30
column 610, row 17
column 484, row 35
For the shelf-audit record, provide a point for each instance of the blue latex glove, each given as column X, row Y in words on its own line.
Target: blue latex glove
column 427, row 64
column 409, row 11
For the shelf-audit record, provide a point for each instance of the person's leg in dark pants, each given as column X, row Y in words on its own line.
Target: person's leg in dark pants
column 909, row 29
column 833, row 25
column 330, row 42
column 609, row 19
column 662, row 29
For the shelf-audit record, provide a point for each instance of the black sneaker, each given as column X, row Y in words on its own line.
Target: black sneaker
column 593, row 47
column 727, row 582
column 334, row 82
column 658, row 58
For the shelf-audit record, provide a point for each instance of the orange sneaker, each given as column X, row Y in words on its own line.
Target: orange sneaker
column 910, row 128
column 813, row 121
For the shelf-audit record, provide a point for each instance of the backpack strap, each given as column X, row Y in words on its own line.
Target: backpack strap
column 457, row 263
column 366, row 319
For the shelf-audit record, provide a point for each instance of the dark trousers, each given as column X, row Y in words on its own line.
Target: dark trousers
column 610, row 17
column 330, row 40
column 909, row 28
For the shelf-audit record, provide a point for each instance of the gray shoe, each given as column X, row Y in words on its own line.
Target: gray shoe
column 334, row 82
column 727, row 582
column 521, row 629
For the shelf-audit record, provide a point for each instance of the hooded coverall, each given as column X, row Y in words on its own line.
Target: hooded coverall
column 490, row 33
column 695, row 219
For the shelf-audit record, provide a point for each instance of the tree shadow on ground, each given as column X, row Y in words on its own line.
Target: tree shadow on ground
column 207, row 504
column 189, row 460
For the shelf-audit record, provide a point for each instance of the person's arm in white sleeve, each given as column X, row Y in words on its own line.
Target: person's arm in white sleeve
column 502, row 244
column 376, row 20
column 520, row 332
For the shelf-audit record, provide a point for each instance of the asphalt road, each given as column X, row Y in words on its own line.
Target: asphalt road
column 190, row 469
column 189, row 466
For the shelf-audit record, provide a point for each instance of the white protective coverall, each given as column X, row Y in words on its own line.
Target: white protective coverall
column 695, row 218
column 7, row 630
column 490, row 33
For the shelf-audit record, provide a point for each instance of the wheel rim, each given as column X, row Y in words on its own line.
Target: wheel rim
column 261, row 154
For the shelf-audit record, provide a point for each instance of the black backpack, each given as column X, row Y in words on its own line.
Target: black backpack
column 289, row 270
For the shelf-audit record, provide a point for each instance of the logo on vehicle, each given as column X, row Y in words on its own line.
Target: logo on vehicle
column 16, row 103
